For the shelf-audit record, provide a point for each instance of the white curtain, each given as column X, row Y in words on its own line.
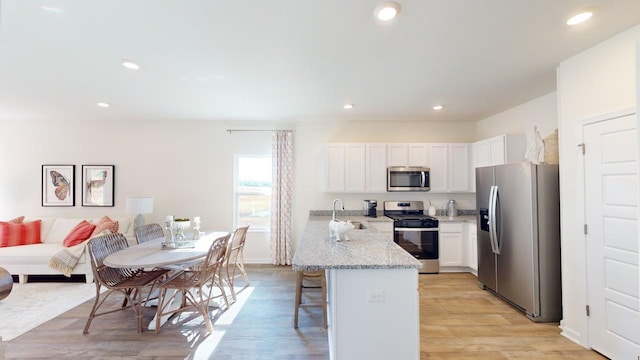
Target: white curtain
column 281, row 194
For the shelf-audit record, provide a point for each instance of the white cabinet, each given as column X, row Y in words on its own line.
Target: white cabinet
column 356, row 167
column 416, row 154
column 335, row 169
column 397, row 154
column 376, row 168
column 472, row 242
column 497, row 150
column 449, row 165
column 451, row 241
column 458, row 168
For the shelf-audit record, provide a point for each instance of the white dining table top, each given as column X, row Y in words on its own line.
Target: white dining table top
column 151, row 254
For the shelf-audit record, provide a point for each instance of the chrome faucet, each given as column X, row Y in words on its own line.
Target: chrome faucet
column 333, row 216
column 332, row 233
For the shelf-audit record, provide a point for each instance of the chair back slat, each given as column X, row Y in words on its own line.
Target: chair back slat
column 236, row 244
column 148, row 232
column 214, row 258
column 99, row 248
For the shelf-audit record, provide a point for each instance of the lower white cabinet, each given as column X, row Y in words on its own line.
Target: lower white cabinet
column 451, row 241
column 458, row 247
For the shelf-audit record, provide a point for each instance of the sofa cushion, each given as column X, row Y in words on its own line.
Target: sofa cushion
column 59, row 229
column 80, row 233
column 35, row 254
column 105, row 223
column 19, row 234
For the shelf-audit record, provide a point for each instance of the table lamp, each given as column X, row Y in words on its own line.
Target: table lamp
column 139, row 206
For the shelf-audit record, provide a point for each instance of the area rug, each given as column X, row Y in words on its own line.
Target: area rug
column 32, row 304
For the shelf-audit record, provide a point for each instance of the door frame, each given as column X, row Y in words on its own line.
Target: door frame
column 581, row 215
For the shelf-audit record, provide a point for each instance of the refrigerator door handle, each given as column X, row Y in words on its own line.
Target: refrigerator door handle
column 494, row 221
column 491, row 221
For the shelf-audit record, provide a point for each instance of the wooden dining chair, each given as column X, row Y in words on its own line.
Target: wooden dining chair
column 128, row 282
column 148, row 232
column 194, row 285
column 234, row 261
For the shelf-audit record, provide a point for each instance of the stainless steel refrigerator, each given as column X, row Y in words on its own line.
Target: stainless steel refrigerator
column 519, row 237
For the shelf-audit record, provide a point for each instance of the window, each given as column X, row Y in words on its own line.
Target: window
column 253, row 191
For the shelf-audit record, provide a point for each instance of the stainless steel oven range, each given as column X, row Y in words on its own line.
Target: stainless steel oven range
column 415, row 232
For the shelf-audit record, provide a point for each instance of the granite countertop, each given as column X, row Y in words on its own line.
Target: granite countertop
column 458, row 219
column 365, row 249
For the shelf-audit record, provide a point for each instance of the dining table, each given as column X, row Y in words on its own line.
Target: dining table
column 153, row 254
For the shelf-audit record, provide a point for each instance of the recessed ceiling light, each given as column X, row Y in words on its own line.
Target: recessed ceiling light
column 130, row 65
column 387, row 11
column 438, row 107
column 348, row 106
column 580, row 18
column 103, row 104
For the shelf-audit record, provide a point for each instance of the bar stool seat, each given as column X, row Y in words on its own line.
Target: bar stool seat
column 301, row 276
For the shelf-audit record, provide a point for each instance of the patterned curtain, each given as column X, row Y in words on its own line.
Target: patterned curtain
column 281, row 194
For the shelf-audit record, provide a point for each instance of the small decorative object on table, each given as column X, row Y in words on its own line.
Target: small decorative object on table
column 178, row 238
column 196, row 227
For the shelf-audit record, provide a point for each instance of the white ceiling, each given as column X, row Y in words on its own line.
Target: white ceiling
column 288, row 59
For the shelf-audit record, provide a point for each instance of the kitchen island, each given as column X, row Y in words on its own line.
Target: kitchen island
column 372, row 285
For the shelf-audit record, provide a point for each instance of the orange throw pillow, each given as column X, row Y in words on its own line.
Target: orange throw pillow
column 12, row 234
column 105, row 223
column 80, row 233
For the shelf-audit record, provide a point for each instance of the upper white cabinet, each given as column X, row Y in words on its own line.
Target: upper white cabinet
column 416, row 154
column 356, row 167
column 355, row 161
column 498, row 150
column 335, row 173
column 449, row 165
column 376, row 167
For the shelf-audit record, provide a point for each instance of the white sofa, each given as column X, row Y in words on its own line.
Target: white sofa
column 25, row 260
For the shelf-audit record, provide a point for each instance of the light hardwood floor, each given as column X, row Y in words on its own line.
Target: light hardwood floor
column 458, row 320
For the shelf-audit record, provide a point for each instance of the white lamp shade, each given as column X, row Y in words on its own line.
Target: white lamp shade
column 139, row 205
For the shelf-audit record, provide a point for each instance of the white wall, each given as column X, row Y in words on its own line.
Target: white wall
column 186, row 166
column 541, row 112
column 598, row 81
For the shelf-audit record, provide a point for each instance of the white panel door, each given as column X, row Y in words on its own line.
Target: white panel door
column 438, row 163
column 376, row 168
column 397, row 155
column 335, row 179
column 611, row 208
column 356, row 167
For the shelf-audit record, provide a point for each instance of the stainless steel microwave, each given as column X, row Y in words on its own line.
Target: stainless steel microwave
column 401, row 178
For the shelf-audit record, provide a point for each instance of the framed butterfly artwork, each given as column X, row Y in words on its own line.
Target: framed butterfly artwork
column 58, row 185
column 97, row 185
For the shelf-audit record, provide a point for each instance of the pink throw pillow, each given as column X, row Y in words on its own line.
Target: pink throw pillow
column 12, row 234
column 18, row 220
column 105, row 223
column 80, row 233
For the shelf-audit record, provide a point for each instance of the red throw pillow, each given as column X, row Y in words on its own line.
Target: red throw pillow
column 105, row 223
column 19, row 234
column 80, row 233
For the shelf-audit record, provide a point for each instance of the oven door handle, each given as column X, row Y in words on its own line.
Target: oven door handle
column 416, row 229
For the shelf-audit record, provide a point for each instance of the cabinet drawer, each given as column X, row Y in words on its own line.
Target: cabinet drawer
column 451, row 227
